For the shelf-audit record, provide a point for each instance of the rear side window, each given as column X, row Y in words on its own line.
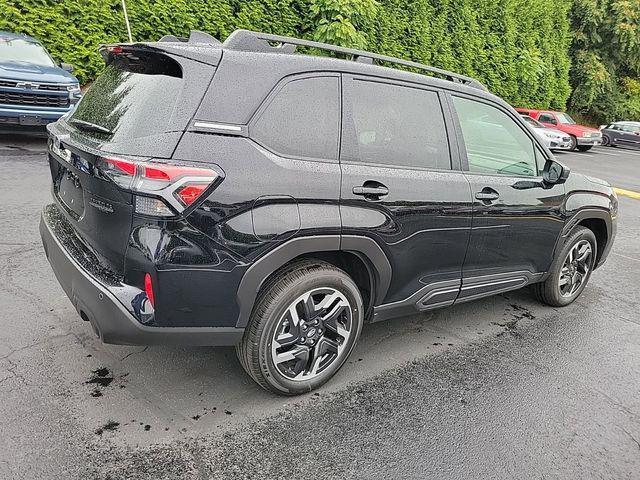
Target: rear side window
column 302, row 119
column 131, row 99
column 495, row 142
column 546, row 118
column 395, row 125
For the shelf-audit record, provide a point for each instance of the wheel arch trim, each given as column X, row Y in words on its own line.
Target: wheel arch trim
column 259, row 271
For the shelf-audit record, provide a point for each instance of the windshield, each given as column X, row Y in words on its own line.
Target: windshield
column 566, row 119
column 19, row 50
column 123, row 103
column 533, row 122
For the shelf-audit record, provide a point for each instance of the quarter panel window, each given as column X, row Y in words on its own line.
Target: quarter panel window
column 395, row 125
column 302, row 120
column 495, row 142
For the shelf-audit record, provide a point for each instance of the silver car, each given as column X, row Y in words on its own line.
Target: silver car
column 552, row 138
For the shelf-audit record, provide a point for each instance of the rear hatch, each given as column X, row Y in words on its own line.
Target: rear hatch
column 135, row 112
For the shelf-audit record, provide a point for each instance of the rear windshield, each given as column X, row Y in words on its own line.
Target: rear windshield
column 134, row 97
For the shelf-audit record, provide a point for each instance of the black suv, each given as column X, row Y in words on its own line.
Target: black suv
column 242, row 194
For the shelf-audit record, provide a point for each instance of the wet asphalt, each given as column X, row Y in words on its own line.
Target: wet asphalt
column 499, row 388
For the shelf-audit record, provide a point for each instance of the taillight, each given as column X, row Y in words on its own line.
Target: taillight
column 160, row 185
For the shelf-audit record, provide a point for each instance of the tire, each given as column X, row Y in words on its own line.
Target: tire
column 573, row 144
column 584, row 148
column 555, row 290
column 606, row 141
column 314, row 350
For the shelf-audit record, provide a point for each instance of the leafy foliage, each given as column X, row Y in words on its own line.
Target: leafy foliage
column 338, row 21
column 518, row 48
column 606, row 52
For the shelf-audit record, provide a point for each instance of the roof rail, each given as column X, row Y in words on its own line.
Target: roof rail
column 195, row 36
column 248, row 41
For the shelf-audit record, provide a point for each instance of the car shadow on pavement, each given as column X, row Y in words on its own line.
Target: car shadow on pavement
column 187, row 390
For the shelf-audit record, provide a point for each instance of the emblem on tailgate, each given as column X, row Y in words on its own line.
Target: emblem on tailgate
column 100, row 205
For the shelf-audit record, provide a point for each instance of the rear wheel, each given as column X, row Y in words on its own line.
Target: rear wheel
column 584, row 148
column 570, row 271
column 573, row 143
column 304, row 326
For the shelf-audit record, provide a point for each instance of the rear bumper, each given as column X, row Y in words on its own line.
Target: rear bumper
column 110, row 319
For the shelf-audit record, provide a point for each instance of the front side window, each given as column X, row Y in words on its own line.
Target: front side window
column 24, row 51
column 396, row 126
column 495, row 142
column 565, row 119
column 302, row 119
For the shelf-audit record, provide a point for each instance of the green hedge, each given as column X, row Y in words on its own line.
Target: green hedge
column 518, row 48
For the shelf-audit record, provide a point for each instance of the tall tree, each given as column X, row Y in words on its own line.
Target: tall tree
column 605, row 72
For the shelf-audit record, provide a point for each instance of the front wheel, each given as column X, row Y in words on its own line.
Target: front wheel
column 305, row 324
column 570, row 270
column 606, row 141
column 584, row 148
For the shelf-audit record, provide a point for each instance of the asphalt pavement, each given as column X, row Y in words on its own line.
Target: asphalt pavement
column 499, row 388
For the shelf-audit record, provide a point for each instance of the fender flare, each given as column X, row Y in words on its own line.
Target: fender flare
column 586, row 213
column 257, row 273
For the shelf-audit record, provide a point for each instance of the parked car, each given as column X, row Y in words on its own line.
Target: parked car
column 582, row 138
column 552, row 138
column 34, row 91
column 241, row 194
column 621, row 133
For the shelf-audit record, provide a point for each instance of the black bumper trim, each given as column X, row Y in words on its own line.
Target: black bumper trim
column 109, row 318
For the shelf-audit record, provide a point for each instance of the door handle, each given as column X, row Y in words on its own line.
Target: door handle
column 487, row 195
column 371, row 191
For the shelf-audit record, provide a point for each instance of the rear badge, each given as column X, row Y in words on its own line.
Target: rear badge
column 100, row 205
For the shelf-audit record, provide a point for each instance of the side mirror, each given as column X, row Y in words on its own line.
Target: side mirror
column 555, row 173
column 67, row 67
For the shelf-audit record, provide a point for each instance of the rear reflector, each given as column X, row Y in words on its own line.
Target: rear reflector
column 190, row 192
column 148, row 289
column 175, row 186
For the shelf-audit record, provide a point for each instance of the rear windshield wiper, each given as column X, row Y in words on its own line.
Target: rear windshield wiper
column 83, row 125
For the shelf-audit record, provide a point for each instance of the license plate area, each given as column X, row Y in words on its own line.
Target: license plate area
column 31, row 120
column 69, row 191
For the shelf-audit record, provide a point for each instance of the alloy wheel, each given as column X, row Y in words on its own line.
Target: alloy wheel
column 575, row 268
column 312, row 333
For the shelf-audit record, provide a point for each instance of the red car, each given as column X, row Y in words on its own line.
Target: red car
column 582, row 138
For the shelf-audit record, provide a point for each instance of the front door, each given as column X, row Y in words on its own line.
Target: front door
column 402, row 187
column 516, row 217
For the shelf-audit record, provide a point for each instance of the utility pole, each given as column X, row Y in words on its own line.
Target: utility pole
column 126, row 20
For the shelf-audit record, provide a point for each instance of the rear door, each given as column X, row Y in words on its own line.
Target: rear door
column 516, row 218
column 401, row 187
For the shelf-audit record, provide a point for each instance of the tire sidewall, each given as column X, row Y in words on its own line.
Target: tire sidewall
column 581, row 234
column 606, row 141
column 574, row 143
column 272, row 315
